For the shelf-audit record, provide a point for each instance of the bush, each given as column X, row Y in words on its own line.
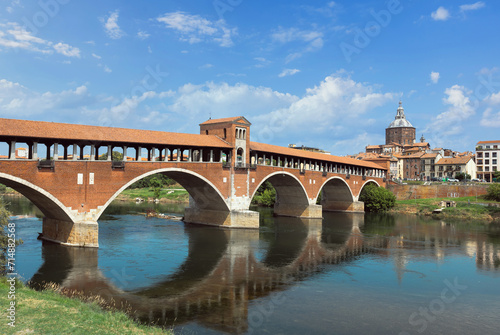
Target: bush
column 463, row 176
column 266, row 195
column 377, row 199
column 493, row 192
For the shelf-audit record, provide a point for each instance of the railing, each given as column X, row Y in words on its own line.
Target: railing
column 46, row 164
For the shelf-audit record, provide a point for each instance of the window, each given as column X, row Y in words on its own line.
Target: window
column 225, row 133
column 486, row 154
column 494, row 161
column 206, row 132
column 479, row 161
column 493, row 154
column 495, row 146
column 487, row 168
column 479, row 155
column 486, row 161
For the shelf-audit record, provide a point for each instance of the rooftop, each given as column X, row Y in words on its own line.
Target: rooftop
column 52, row 131
column 310, row 155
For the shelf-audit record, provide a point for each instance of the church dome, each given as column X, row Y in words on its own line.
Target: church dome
column 400, row 120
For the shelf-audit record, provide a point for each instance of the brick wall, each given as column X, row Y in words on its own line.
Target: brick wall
column 404, row 192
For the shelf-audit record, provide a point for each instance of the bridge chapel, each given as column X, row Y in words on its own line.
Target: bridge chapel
column 233, row 130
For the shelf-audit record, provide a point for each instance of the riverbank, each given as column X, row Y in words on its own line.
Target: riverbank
column 175, row 195
column 467, row 208
column 48, row 312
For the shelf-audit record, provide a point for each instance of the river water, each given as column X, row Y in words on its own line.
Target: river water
column 345, row 274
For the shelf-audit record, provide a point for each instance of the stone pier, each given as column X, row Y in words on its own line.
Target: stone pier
column 79, row 234
column 344, row 206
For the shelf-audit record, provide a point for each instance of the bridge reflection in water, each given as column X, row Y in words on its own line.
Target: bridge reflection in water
column 224, row 271
column 221, row 273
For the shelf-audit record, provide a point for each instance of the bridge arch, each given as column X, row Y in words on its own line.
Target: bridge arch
column 337, row 189
column 200, row 189
column 49, row 205
column 292, row 198
column 371, row 181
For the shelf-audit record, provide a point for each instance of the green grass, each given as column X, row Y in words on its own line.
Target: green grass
column 467, row 208
column 145, row 193
column 48, row 312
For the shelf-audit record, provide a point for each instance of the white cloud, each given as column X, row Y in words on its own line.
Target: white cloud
column 222, row 100
column 288, row 72
column 313, row 40
column 143, row 35
column 490, row 119
column 111, row 26
column 67, row 50
column 195, row 29
column 13, row 36
column 435, row 77
column 17, row 100
column 206, row 66
column 107, row 69
column 441, row 14
column 474, row 6
column 451, row 122
column 149, row 49
column 96, row 56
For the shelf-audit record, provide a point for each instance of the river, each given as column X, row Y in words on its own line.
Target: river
column 345, row 274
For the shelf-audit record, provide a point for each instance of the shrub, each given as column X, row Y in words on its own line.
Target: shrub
column 493, row 192
column 266, row 195
column 377, row 199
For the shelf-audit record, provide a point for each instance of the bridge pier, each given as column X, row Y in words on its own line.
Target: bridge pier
column 76, row 234
column 294, row 210
column 229, row 219
column 343, row 206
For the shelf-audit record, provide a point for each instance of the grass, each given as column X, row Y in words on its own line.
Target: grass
column 468, row 208
column 145, row 193
column 48, row 312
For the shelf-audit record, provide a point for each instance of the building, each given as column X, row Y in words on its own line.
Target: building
column 400, row 130
column 449, row 167
column 294, row 146
column 487, row 155
column 412, row 165
column 429, row 161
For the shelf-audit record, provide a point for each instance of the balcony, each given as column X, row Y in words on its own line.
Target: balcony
column 241, row 166
column 46, row 165
column 117, row 165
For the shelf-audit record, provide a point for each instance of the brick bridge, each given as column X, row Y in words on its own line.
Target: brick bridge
column 63, row 174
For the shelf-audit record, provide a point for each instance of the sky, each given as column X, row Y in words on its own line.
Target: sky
column 325, row 74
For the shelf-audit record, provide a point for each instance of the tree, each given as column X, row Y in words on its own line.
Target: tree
column 115, row 156
column 5, row 244
column 463, row 176
column 376, row 198
column 265, row 195
column 493, row 192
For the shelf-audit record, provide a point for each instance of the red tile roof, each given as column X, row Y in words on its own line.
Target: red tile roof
column 488, row 142
column 227, row 119
column 454, row 161
column 310, row 155
column 38, row 130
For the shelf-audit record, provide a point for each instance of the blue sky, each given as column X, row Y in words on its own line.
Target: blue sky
column 327, row 74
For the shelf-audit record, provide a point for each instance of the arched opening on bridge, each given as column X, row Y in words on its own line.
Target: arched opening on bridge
column 240, row 156
column 291, row 196
column 51, row 207
column 336, row 195
column 206, row 203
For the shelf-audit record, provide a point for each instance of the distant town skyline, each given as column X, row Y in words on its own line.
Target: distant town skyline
column 324, row 74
